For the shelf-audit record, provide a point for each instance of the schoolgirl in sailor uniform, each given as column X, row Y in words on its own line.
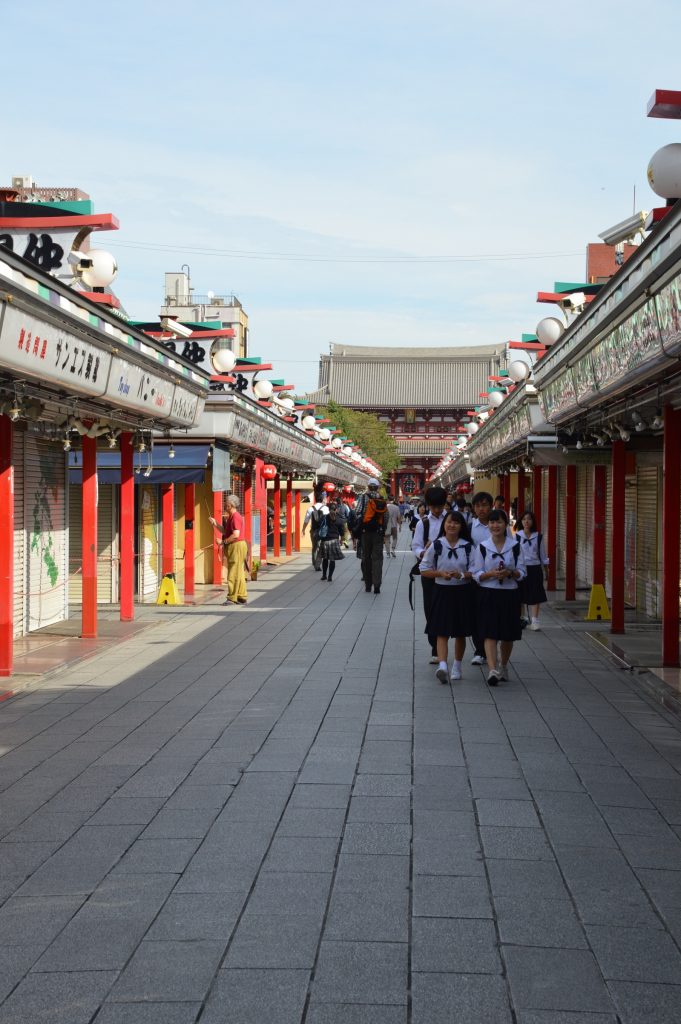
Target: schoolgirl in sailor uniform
column 498, row 567
column 531, row 589
column 448, row 562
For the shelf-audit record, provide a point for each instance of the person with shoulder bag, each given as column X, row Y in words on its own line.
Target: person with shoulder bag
column 370, row 518
column 428, row 530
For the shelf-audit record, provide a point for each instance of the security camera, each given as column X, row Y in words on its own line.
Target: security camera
column 626, row 230
column 574, row 302
column 175, row 327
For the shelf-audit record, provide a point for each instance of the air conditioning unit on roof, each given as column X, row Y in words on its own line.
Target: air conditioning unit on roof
column 22, row 182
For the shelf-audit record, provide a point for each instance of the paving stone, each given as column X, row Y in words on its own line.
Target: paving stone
column 35, row 920
column 190, row 917
column 62, row 998
column 500, row 789
column 301, row 854
column 275, row 940
column 157, row 856
column 361, row 972
column 329, row 1013
column 375, row 809
column 455, row 944
column 312, row 822
column 532, row 921
column 368, row 917
column 254, row 996
column 187, row 823
column 320, row 796
column 524, row 878
column 148, row 1013
column 81, row 863
column 15, row 962
column 560, row 1017
column 380, row 838
column 127, row 811
column 555, row 979
column 445, row 998
column 638, row 1002
column 168, row 972
column 446, row 896
column 516, row 813
column 362, row 872
column 508, row 843
column 636, row 954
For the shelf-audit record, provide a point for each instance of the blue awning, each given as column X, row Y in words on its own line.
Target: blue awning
column 188, row 466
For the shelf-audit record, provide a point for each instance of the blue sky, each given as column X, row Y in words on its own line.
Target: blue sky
column 380, row 146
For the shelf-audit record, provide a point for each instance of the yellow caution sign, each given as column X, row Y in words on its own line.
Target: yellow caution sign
column 598, row 604
column 169, row 594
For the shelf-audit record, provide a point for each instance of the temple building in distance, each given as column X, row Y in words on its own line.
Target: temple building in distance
column 425, row 395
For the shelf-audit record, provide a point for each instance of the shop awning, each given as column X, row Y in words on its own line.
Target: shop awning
column 187, row 466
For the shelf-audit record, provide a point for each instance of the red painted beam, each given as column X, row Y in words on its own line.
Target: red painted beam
column 671, row 498
column 655, row 216
column 127, row 529
column 558, row 297
column 6, row 548
column 102, row 298
column 248, row 504
column 618, row 457
column 89, row 536
column 528, row 346
column 665, row 103
column 96, row 221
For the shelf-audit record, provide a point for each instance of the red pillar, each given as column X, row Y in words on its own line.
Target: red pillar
column 248, row 504
column 600, row 491
column 671, row 498
column 89, row 534
column 217, row 549
column 552, row 526
column 276, row 547
column 6, row 548
column 127, row 531
column 296, row 542
column 167, row 529
column 189, row 545
column 289, row 514
column 536, row 494
column 521, row 495
column 618, row 457
column 570, row 532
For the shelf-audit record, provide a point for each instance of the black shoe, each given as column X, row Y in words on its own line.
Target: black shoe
column 377, row 590
column 367, row 587
column 323, row 577
column 330, row 579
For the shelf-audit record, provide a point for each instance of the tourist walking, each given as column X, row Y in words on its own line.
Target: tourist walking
column 393, row 524
column 448, row 562
column 330, row 533
column 497, row 566
column 429, row 529
column 370, row 518
column 314, row 518
column 532, row 592
column 235, row 550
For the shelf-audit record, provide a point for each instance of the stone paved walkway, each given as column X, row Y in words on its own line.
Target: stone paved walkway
column 276, row 814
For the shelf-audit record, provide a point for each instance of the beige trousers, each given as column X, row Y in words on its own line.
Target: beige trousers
column 236, row 554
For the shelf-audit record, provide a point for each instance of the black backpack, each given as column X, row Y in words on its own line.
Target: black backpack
column 415, row 570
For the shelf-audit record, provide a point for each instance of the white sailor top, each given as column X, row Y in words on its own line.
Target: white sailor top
column 480, row 533
column 533, row 548
column 486, row 558
column 441, row 555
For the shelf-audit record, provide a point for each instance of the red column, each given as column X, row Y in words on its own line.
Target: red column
column 248, row 504
column 671, row 499
column 127, row 531
column 536, row 494
column 289, row 514
column 570, row 532
column 263, row 534
column 618, row 457
column 600, row 491
column 89, row 534
column 217, row 549
column 552, row 526
column 6, row 548
column 189, row 545
column 521, row 495
column 296, row 541
column 167, row 529
column 277, row 517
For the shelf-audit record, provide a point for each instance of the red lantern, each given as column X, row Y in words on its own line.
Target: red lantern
column 268, row 472
column 347, row 489
column 329, row 487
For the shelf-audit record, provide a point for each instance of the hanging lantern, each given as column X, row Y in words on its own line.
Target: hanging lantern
column 549, row 331
column 328, row 487
column 347, row 489
column 268, row 471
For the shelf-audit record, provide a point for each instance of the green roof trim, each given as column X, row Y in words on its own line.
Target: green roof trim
column 250, row 361
column 279, row 383
column 83, row 207
column 529, row 337
column 566, row 287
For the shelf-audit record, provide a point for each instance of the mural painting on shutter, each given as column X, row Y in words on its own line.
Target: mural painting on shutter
column 630, row 542
column 560, row 539
column 150, row 542
column 19, row 536
column 648, row 547
column 46, row 533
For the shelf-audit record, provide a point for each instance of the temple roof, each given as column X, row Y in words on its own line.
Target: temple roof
column 370, row 377
column 423, row 445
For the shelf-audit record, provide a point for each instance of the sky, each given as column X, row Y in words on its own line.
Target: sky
column 376, row 173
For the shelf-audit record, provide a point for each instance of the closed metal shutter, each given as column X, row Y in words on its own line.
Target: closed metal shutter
column 560, row 539
column 585, row 492
column 149, row 541
column 647, row 561
column 19, row 536
column 630, row 541
column 46, row 533
column 608, row 533
column 543, row 512
column 107, row 565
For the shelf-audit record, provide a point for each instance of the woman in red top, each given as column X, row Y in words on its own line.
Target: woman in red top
column 235, row 550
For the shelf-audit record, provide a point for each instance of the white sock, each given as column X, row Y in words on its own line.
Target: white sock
column 535, row 618
column 443, row 665
column 456, row 664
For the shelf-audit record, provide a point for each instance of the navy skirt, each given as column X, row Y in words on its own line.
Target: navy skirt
column 451, row 611
column 499, row 614
column 532, row 587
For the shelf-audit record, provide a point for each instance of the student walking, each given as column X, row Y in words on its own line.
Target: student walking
column 235, row 550
column 448, row 562
column 497, row 566
column 330, row 533
column 532, row 592
column 371, row 512
column 428, row 530
column 314, row 518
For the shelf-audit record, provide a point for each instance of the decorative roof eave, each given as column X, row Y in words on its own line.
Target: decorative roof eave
column 519, row 417
column 639, row 285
